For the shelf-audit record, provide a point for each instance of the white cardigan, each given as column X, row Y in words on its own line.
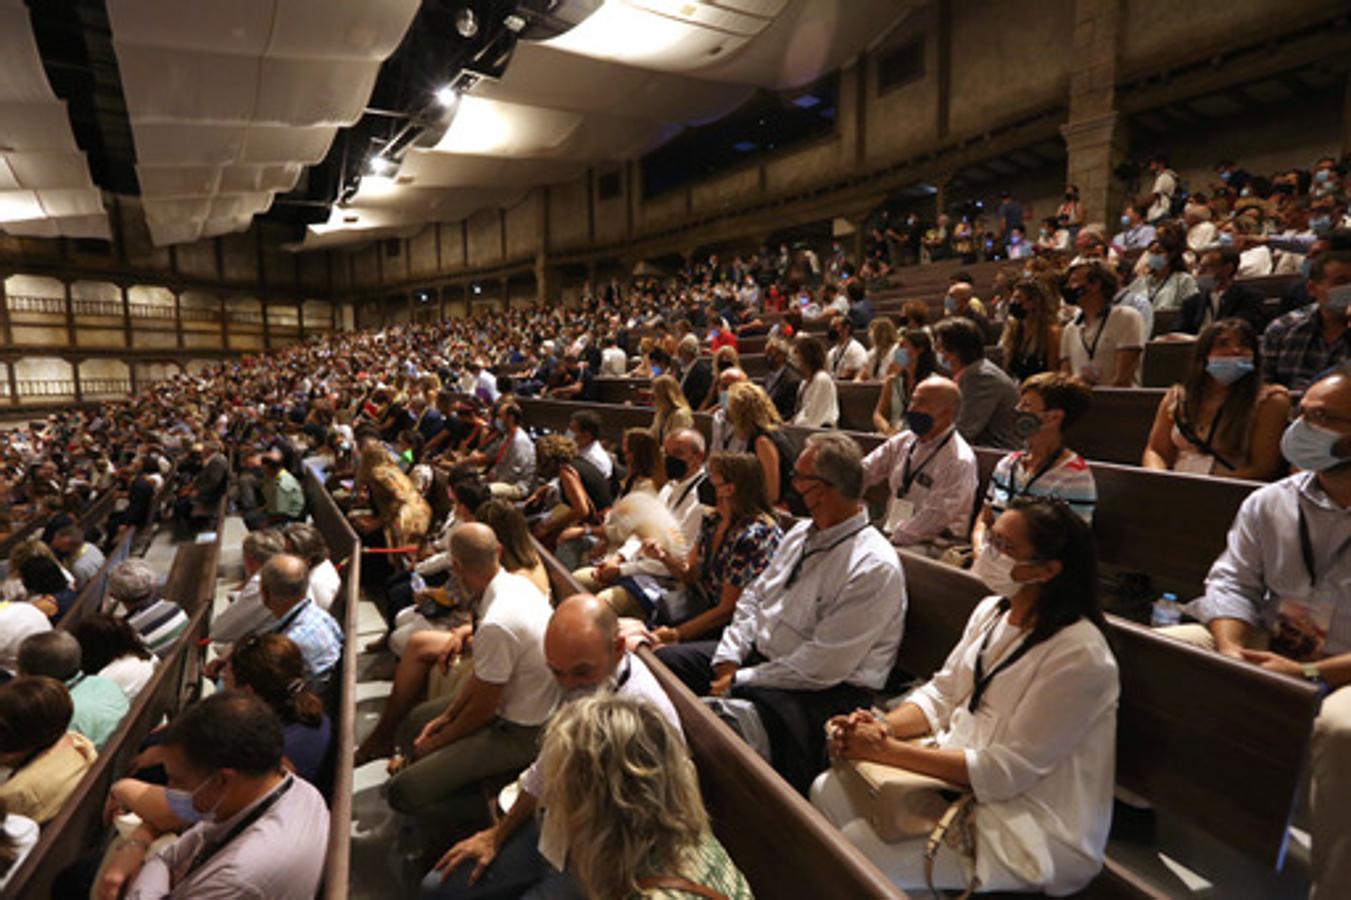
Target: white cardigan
column 817, row 404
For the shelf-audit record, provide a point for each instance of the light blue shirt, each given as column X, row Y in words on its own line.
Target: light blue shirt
column 100, row 706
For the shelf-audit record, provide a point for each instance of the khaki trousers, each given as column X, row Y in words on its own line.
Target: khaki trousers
column 619, row 599
column 1329, row 780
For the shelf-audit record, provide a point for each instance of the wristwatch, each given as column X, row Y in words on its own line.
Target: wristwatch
column 1315, row 677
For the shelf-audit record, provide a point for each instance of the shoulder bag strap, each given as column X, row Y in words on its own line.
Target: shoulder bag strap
column 680, row 883
column 957, row 830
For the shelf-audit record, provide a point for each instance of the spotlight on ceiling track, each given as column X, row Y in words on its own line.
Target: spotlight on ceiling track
column 466, row 23
column 447, row 96
column 379, row 166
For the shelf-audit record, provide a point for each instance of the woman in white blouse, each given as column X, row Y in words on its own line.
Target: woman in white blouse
column 111, row 648
column 817, row 402
column 1023, row 713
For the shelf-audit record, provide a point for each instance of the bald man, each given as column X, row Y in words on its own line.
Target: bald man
column 492, row 725
column 930, row 472
column 585, row 653
column 284, row 586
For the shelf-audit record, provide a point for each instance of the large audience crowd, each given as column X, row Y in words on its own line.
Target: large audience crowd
column 754, row 567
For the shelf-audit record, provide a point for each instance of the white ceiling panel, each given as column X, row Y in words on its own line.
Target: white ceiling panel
column 45, row 187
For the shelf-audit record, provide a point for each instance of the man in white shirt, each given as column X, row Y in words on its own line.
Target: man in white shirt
column 847, row 355
column 816, row 633
column 614, row 363
column 492, row 725
column 584, row 429
column 1165, row 186
column 929, row 469
column 585, row 652
column 1104, row 344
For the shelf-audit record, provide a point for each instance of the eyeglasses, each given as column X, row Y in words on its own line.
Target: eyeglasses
column 798, row 476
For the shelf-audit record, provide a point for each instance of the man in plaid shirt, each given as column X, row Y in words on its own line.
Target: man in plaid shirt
column 1301, row 344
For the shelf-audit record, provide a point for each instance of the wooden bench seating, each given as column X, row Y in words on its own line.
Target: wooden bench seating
column 1215, row 742
column 344, row 548
column 78, row 828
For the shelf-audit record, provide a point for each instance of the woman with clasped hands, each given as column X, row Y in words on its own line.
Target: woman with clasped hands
column 1023, row 714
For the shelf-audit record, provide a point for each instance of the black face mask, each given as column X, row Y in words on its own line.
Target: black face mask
column 833, row 335
column 1072, row 295
column 676, row 469
column 1017, row 311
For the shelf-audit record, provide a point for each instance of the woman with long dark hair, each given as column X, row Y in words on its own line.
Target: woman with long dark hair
column 111, row 648
column 1221, row 419
column 913, row 361
column 1022, row 714
column 1031, row 338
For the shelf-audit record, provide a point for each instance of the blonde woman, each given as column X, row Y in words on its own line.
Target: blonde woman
column 672, row 410
column 755, row 421
column 631, row 583
column 882, row 341
column 724, row 358
column 623, row 796
column 583, row 492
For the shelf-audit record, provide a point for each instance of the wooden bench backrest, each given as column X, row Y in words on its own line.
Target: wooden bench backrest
column 344, row 548
column 77, row 827
column 1215, row 742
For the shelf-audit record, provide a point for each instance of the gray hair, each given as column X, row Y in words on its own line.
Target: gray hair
column 838, row 460
column 284, row 579
column 692, row 437
column 688, row 346
column 55, row 654
column 306, row 542
column 132, row 581
column 262, row 545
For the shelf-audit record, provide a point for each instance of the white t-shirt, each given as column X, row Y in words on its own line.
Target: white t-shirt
column 1092, row 350
column 325, row 582
column 509, row 648
column 613, row 363
column 131, row 673
column 852, row 358
column 1165, row 186
column 23, row 832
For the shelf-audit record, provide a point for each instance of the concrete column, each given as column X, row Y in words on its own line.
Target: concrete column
column 267, row 329
column 1095, row 138
column 70, row 318
column 126, row 313
column 75, row 379
column 4, row 315
column 178, row 317
column 546, row 280
column 1346, row 118
column 13, row 380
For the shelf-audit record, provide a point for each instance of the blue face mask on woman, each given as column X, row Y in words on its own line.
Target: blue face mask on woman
column 1156, row 261
column 1229, row 369
column 901, row 357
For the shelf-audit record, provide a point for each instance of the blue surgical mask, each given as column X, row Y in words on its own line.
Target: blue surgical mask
column 950, row 303
column 1228, row 369
column 1125, row 221
column 1226, row 239
column 180, row 804
column 722, row 399
column 1322, row 176
column 901, row 357
column 918, row 422
column 1320, row 224
column 1224, row 176
column 1309, row 446
column 1339, row 299
column 1156, row 261
column 1305, row 268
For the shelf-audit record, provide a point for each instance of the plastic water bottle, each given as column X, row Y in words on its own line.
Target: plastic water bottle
column 1166, row 611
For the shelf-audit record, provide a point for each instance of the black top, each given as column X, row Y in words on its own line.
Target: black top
column 594, row 483
column 1239, row 302
column 788, row 495
column 697, row 380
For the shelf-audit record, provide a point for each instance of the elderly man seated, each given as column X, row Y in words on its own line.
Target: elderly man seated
column 816, row 633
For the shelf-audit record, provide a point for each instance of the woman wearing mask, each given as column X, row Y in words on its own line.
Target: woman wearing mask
column 1023, row 714
column 817, row 400
column 1166, row 281
column 882, row 341
column 1031, row 338
column 1221, row 420
column 912, row 361
column 1071, row 210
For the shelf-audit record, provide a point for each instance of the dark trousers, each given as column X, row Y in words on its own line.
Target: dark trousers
column 518, row 871
column 794, row 720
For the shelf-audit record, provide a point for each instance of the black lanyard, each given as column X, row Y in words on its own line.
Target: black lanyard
column 1102, row 326
column 1154, row 293
column 211, row 848
column 1015, row 491
column 981, row 680
column 808, row 554
column 694, row 483
column 1306, row 546
column 907, row 476
column 1185, row 429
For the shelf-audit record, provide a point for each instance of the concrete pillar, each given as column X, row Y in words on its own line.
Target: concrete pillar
column 126, row 314
column 70, row 317
column 1095, row 138
column 178, row 317
column 13, row 379
column 75, row 379
column 1346, row 118
column 546, row 281
column 4, row 315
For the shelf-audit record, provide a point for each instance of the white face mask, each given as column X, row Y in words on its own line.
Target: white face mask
column 995, row 569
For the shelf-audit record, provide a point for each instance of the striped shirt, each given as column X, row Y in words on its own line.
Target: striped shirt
column 159, row 624
column 1070, row 480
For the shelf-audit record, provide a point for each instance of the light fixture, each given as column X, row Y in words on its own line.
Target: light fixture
column 466, row 23
column 379, row 165
column 514, row 23
column 447, row 96
column 478, row 289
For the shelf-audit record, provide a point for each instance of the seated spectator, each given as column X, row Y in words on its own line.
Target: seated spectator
column 726, row 369
column 586, row 654
column 988, row 393
column 882, row 346
column 1104, row 344
column 687, row 487
column 846, row 357
column 614, row 363
column 583, row 493
column 510, row 459
column 913, row 361
column 1301, row 344
column 722, row 438
column 1254, row 258
column 133, row 588
column 783, row 380
column 492, row 725
column 1201, row 232
column 1031, row 338
column 861, row 310
column 735, row 543
column 634, row 585
column 1166, row 281
column 284, row 583
column 929, row 470
column 817, row 401
column 247, row 614
column 1033, row 738
column 99, row 703
column 1221, row 420
column 305, row 541
column 257, row 830
column 672, row 412
column 961, row 302
column 110, row 648
column 283, row 497
column 46, row 759
column 18, row 835
column 272, row 668
column 18, row 620
column 1049, row 405
column 696, row 372
column 1217, row 296
column 640, row 454
column 46, row 584
column 817, row 632
column 755, row 422
column 584, row 429
column 513, row 534
column 80, row 558
column 1284, row 582
column 1136, row 234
